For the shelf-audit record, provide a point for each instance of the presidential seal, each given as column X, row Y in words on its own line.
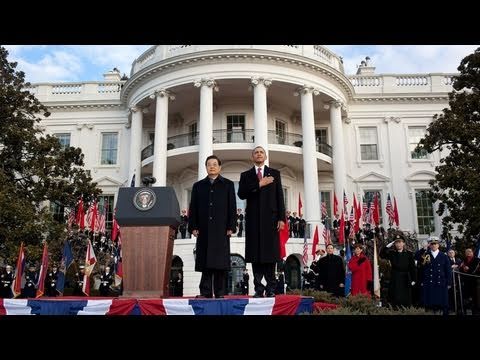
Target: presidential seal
column 144, row 199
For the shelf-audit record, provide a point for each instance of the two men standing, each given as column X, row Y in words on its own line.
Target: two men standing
column 213, row 219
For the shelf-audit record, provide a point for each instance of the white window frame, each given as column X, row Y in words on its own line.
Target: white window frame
column 410, row 161
column 416, row 188
column 63, row 133
column 381, row 159
column 108, row 131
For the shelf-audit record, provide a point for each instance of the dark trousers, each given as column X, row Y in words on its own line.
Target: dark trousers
column 218, row 278
column 267, row 271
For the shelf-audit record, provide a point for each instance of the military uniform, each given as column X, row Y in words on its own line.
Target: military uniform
column 106, row 281
column 437, row 276
column 6, row 281
column 78, row 285
column 51, row 283
column 30, row 288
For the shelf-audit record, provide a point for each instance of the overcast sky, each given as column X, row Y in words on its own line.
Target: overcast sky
column 50, row 63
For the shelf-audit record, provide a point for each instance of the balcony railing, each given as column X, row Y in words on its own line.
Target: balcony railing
column 162, row 52
column 223, row 136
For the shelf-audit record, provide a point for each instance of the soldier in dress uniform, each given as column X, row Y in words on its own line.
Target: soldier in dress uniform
column 437, row 277
column 6, row 283
column 31, row 279
column 106, row 280
column 51, row 281
column 403, row 273
column 78, row 282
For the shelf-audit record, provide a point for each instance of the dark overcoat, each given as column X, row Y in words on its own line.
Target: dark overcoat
column 437, row 276
column 331, row 273
column 212, row 212
column 265, row 207
column 402, row 274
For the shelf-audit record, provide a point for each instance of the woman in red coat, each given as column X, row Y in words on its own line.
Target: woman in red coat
column 361, row 270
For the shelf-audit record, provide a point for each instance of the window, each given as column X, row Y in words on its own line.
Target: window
column 64, row 140
column 280, row 132
column 109, row 148
column 415, row 134
column 425, row 217
column 58, row 212
column 368, row 143
column 321, row 136
column 235, row 128
column 106, row 202
column 369, row 199
column 192, row 134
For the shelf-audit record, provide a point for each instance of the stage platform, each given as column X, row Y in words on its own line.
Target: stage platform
column 230, row 305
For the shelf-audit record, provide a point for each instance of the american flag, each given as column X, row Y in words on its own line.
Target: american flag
column 364, row 211
column 305, row 250
column 326, row 233
column 351, row 219
column 324, row 210
column 389, row 208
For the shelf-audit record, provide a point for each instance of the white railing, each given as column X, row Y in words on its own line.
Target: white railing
column 397, row 83
column 109, row 88
column 367, row 81
column 448, row 79
column 67, row 89
column 92, row 90
column 161, row 52
column 32, row 89
column 412, row 80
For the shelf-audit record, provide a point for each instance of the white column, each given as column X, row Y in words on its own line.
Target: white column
column 338, row 150
column 310, row 173
column 260, row 118
column 205, row 144
column 161, row 135
column 135, row 164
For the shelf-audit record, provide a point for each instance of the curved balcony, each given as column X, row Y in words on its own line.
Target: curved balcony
column 223, row 136
column 162, row 52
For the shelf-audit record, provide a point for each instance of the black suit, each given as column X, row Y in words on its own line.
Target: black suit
column 265, row 207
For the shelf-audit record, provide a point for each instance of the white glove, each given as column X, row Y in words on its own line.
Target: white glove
column 413, row 283
column 390, row 244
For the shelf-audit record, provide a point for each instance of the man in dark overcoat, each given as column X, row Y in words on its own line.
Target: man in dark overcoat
column 331, row 273
column 403, row 273
column 437, row 278
column 213, row 219
column 261, row 186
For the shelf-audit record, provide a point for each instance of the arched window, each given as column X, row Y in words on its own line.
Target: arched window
column 292, row 272
column 176, row 277
column 235, row 275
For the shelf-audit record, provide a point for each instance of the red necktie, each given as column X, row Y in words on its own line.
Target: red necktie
column 259, row 174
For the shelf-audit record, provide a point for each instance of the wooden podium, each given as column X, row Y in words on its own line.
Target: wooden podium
column 148, row 218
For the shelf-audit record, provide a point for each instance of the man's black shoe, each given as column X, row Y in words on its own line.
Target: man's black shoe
column 220, row 297
column 271, row 294
column 203, row 296
column 257, row 295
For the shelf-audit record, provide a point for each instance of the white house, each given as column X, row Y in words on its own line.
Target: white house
column 323, row 129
